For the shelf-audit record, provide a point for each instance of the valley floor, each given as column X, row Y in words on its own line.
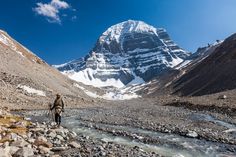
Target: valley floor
column 150, row 128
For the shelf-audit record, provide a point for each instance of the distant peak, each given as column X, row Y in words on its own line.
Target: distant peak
column 132, row 22
column 117, row 31
column 132, row 26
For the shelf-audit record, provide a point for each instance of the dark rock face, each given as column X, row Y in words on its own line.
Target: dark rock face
column 214, row 74
column 129, row 50
column 203, row 52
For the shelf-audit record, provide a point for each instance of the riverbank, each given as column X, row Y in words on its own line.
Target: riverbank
column 151, row 129
column 23, row 137
column 20, row 137
column 136, row 128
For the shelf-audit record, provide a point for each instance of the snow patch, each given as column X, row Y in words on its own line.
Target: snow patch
column 87, row 77
column 10, row 42
column 4, row 39
column 119, row 96
column 59, row 66
column 115, row 95
column 91, row 94
column 137, row 80
column 175, row 61
column 20, row 53
column 31, row 90
column 78, row 86
column 183, row 64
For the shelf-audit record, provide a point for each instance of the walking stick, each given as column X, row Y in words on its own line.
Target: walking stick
column 50, row 113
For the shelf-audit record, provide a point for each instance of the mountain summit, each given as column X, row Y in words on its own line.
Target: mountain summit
column 130, row 52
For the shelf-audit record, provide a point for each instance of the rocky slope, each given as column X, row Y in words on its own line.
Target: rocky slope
column 26, row 80
column 22, row 138
column 127, row 53
column 214, row 74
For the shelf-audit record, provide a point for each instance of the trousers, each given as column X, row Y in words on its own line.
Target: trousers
column 58, row 118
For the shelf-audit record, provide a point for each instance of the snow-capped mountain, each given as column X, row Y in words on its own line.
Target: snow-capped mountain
column 130, row 52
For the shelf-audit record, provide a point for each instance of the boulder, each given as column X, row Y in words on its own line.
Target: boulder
column 13, row 149
column 44, row 150
column 52, row 134
column 29, row 134
column 24, row 152
column 60, row 137
column 74, row 144
column 222, row 97
column 56, row 155
column 4, row 153
column 42, row 138
column 72, row 134
column 21, row 124
column 6, row 144
column 14, row 136
column 12, row 120
column 43, row 143
column 31, row 140
column 58, row 149
column 57, row 142
column 20, row 143
column 61, row 132
column 53, row 123
column 41, row 130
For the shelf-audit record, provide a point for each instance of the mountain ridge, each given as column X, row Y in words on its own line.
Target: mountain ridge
column 216, row 73
column 27, row 80
column 132, row 51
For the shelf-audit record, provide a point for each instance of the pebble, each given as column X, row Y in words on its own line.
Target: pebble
column 192, row 134
column 60, row 137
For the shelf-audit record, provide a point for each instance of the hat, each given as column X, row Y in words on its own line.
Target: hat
column 58, row 95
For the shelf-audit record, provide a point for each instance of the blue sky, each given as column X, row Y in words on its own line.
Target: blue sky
column 68, row 29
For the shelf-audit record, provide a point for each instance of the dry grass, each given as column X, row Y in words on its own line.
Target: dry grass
column 9, row 121
column 19, row 130
column 5, row 140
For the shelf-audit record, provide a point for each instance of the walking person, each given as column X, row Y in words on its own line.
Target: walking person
column 58, row 105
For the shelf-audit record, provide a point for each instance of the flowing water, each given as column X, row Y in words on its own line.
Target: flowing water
column 166, row 144
column 208, row 118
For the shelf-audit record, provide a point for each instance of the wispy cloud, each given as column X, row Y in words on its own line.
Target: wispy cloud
column 51, row 10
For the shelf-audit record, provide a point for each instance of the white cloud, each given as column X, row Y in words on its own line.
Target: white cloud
column 60, row 4
column 51, row 10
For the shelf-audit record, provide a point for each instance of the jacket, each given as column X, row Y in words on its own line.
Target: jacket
column 58, row 105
